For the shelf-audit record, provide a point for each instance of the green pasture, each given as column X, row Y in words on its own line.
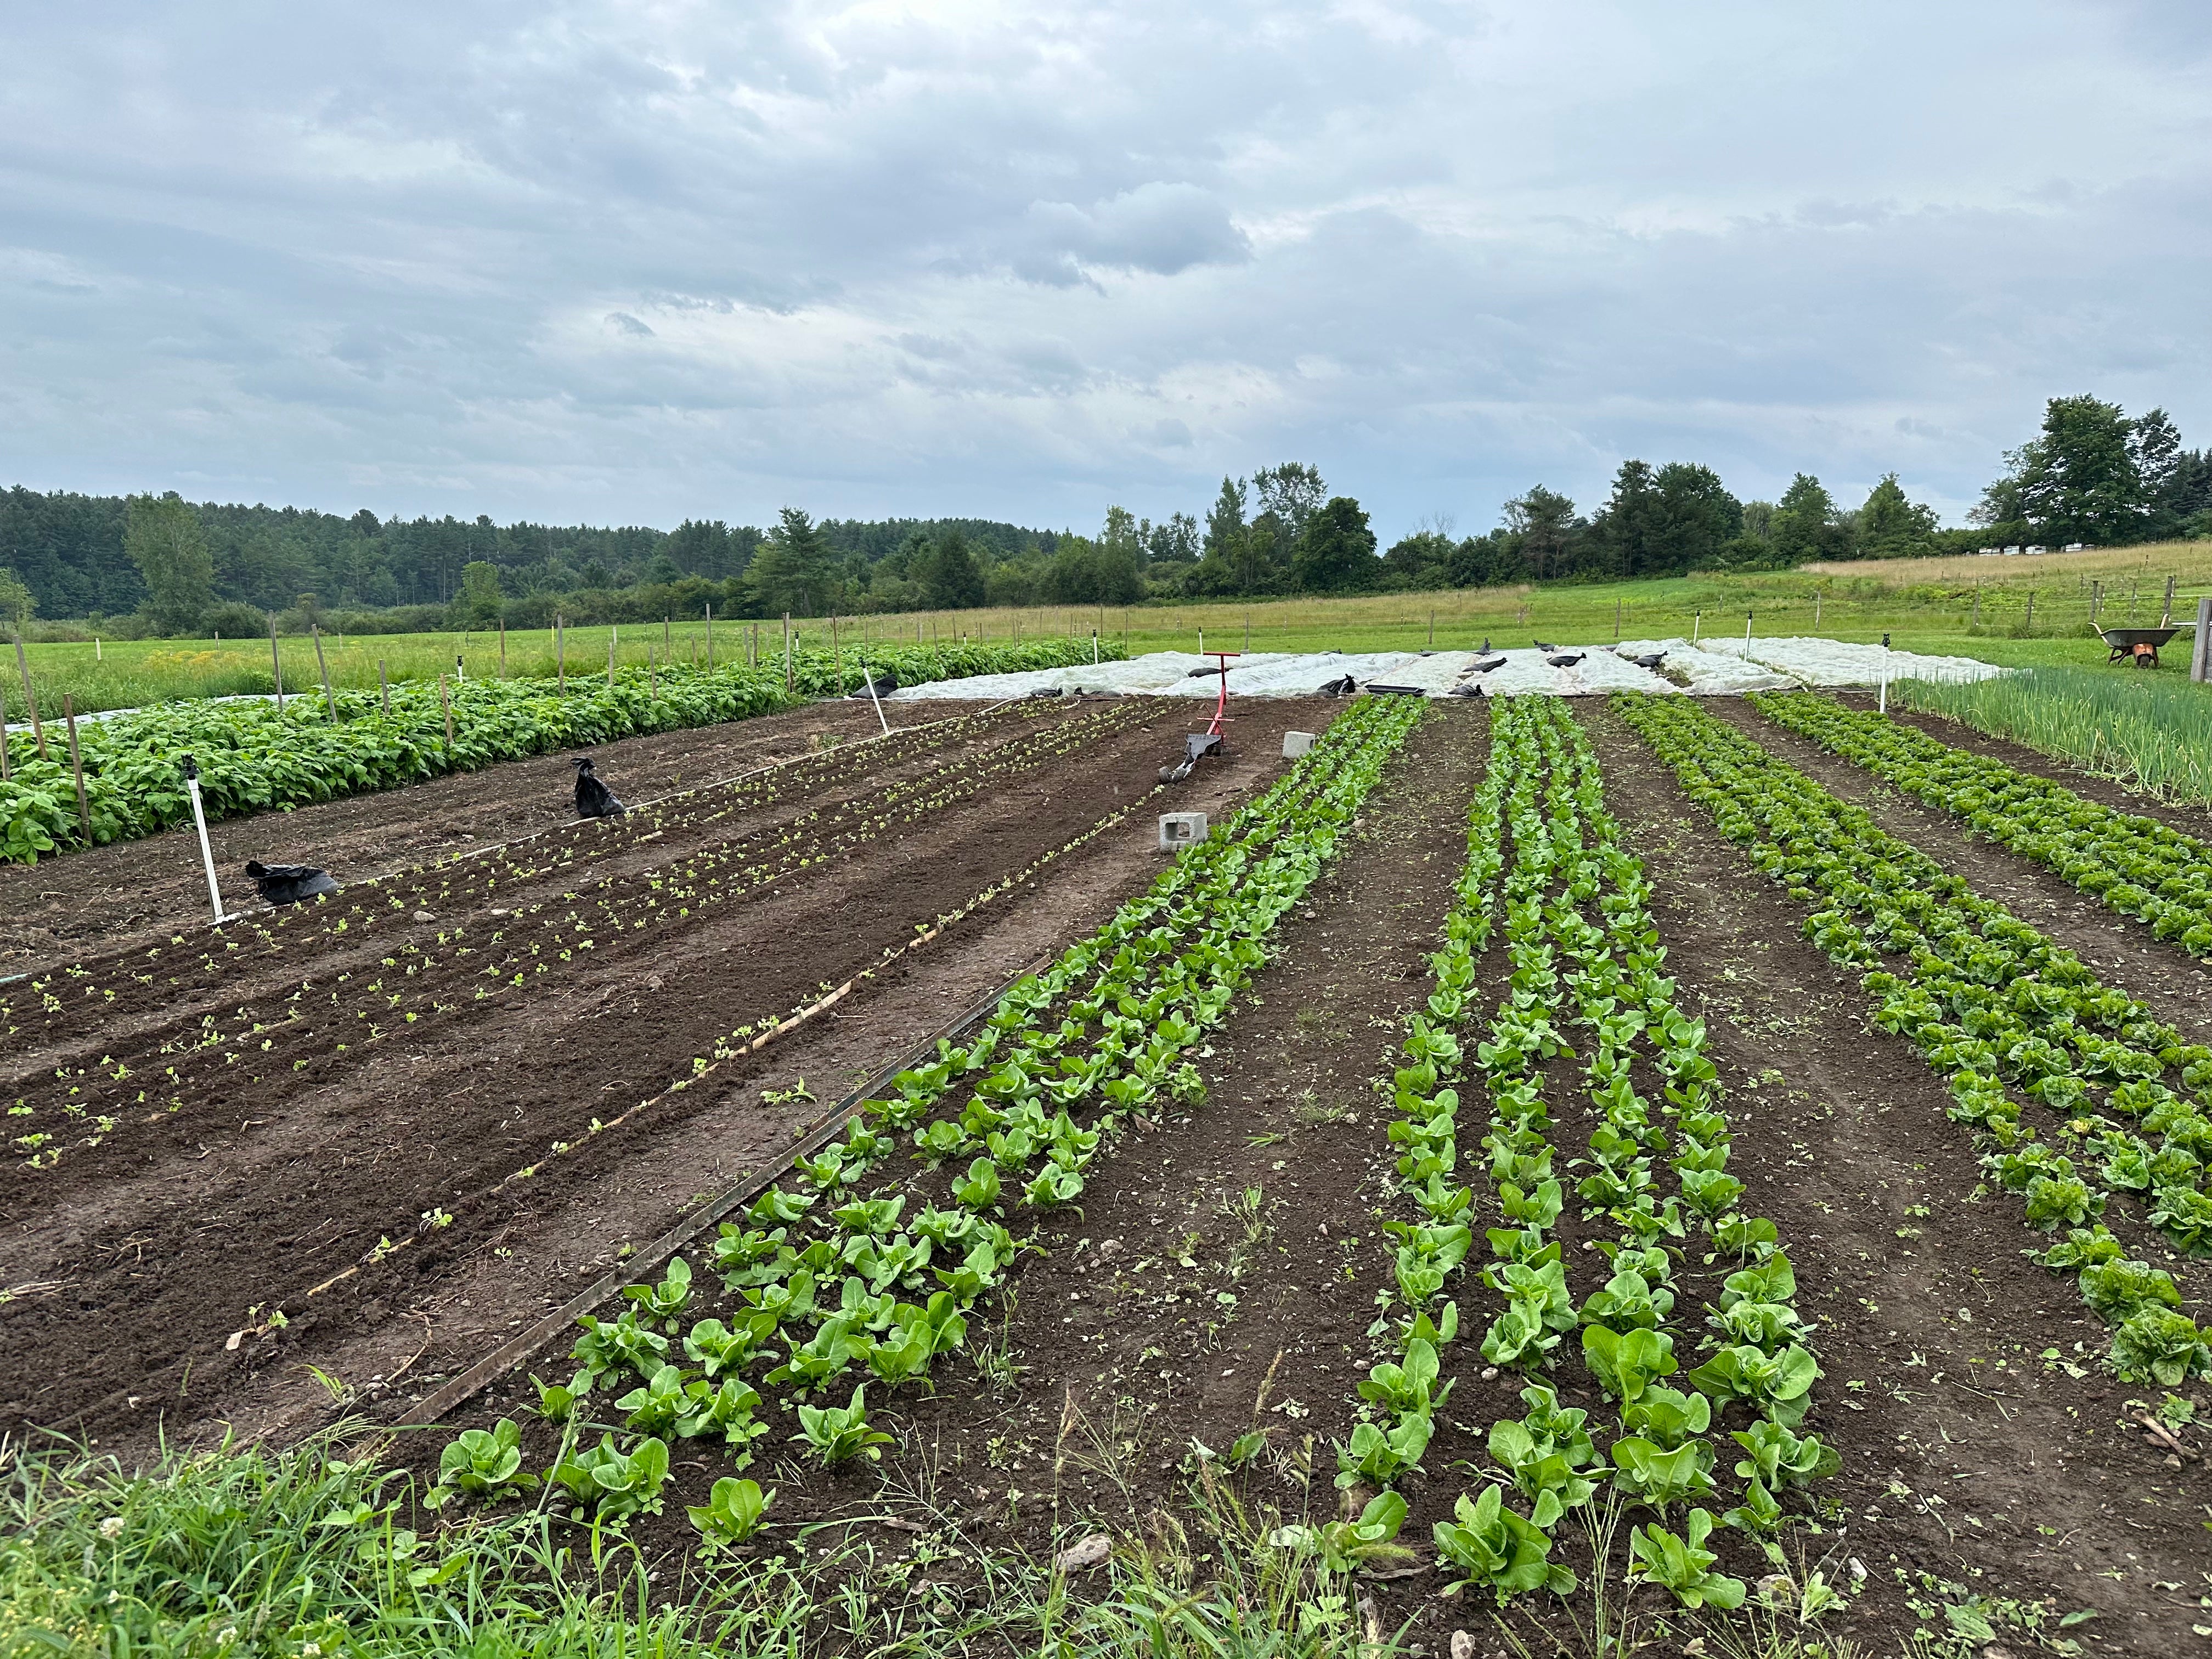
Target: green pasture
column 1969, row 606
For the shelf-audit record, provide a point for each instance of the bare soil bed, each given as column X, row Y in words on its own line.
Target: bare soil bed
column 315, row 1151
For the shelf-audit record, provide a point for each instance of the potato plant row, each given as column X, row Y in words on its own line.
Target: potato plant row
column 77, row 996
column 254, row 756
column 2005, row 1015
column 2137, row 866
column 846, row 1274
column 433, row 978
column 1543, row 788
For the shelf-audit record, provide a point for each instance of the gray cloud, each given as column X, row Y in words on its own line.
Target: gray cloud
column 582, row 260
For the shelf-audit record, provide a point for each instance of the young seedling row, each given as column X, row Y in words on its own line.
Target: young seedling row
column 428, row 980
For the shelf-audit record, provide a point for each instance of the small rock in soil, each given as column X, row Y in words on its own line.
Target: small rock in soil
column 424, row 915
column 1089, row 1552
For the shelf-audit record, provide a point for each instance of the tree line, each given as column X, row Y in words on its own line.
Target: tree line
column 162, row 565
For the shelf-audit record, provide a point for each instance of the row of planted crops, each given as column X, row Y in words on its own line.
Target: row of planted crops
column 1551, row 1085
column 364, row 967
column 2090, row 1110
column 1560, row 1144
column 254, row 755
column 863, row 1268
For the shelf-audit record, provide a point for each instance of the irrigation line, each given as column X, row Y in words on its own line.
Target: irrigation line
column 516, row 1349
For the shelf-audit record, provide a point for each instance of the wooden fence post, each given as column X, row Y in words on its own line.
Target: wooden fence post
column 329, row 698
column 31, row 700
column 4, row 740
column 276, row 665
column 710, row 639
column 787, row 651
column 503, row 648
column 445, row 704
column 384, row 686
column 2200, row 654
column 77, row 765
column 560, row 656
column 614, row 633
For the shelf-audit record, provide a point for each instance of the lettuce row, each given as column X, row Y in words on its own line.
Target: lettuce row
column 2137, row 866
column 2000, row 1011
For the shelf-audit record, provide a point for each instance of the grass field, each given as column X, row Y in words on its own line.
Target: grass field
column 1967, row 606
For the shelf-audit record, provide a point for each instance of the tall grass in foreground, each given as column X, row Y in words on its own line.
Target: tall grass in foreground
column 2151, row 733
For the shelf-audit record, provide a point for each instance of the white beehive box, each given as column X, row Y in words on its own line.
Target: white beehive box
column 1181, row 829
column 1296, row 744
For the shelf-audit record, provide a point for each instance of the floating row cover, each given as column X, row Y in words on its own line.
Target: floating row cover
column 1181, row 829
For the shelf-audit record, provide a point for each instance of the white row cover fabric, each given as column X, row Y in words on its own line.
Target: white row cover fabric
column 1711, row 668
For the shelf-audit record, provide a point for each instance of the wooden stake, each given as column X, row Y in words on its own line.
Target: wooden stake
column 4, row 740
column 560, row 656
column 787, row 651
column 1616, row 624
column 31, row 701
column 614, row 633
column 2029, row 625
column 652, row 676
column 384, row 686
column 837, row 658
column 710, row 639
column 329, row 698
column 276, row 665
column 445, row 704
column 503, row 648
column 77, row 765
column 667, row 640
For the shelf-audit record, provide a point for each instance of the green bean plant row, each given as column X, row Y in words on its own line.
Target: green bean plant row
column 2006, row 1016
column 256, row 757
column 848, row 1277
column 2139, row 866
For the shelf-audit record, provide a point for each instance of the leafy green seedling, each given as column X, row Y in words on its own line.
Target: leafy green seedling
column 736, row 1511
column 839, row 1432
column 483, row 1463
column 1683, row 1564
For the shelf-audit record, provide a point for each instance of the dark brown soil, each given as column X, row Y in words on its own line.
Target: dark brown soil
column 263, row 1188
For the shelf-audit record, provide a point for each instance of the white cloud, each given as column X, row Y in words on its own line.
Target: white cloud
column 642, row 262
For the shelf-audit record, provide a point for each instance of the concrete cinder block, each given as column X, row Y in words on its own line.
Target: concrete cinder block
column 1296, row 744
column 1181, row 829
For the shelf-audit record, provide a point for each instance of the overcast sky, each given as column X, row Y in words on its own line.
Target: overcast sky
column 643, row 261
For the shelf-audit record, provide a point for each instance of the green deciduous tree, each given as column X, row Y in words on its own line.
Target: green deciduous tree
column 163, row 536
column 2081, row 478
column 1336, row 554
column 479, row 600
column 16, row 602
column 1803, row 525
